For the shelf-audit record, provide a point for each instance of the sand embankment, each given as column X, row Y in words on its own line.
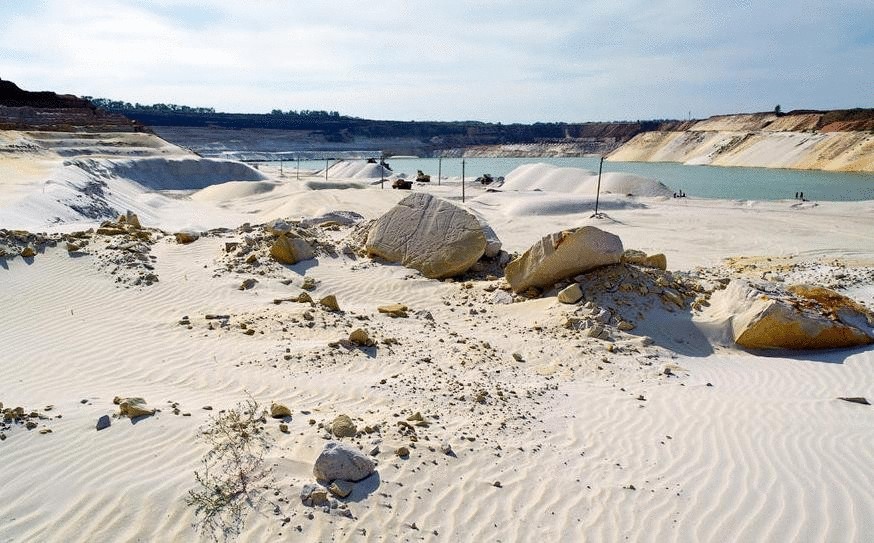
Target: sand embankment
column 806, row 142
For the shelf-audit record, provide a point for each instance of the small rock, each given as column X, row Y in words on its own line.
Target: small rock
column 279, row 411
column 248, row 283
column 133, row 407
column 329, row 302
column 497, row 484
column 103, row 422
column 342, row 426
column 283, row 428
column 394, row 310
column 360, row 337
column 185, row 238
column 403, row 452
column 571, row 294
column 341, row 488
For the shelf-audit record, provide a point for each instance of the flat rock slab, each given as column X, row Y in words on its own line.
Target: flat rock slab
column 428, row 234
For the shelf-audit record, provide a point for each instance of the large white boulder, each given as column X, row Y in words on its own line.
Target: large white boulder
column 340, row 461
column 428, row 234
column 561, row 255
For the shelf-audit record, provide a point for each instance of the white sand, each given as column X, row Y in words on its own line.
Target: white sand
column 765, row 454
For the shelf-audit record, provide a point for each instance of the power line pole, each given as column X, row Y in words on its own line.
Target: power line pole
column 462, row 180
column 439, row 169
column 598, row 193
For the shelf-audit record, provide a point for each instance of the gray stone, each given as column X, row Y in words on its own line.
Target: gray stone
column 340, row 461
column 103, row 422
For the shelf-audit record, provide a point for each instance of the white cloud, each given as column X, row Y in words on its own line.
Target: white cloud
column 502, row 61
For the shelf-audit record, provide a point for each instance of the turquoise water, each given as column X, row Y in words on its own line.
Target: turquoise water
column 698, row 181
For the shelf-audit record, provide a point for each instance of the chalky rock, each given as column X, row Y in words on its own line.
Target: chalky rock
column 561, row 255
column 339, row 461
column 428, row 234
column 803, row 317
column 289, row 249
column 133, row 407
column 184, row 238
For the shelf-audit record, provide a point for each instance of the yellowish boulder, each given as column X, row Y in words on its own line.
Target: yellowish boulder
column 288, row 249
column 561, row 255
column 792, row 320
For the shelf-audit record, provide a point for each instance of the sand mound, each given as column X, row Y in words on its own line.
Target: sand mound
column 550, row 178
column 535, row 203
column 233, row 190
column 171, row 173
column 358, row 169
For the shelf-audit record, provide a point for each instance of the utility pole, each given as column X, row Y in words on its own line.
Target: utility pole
column 462, row 180
column 326, row 168
column 439, row 169
column 381, row 170
column 298, row 167
column 598, row 193
column 281, row 172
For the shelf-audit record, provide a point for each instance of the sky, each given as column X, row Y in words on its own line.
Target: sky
column 498, row 61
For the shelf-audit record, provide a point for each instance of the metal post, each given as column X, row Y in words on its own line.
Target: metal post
column 298, row 167
column 381, row 171
column 326, row 168
column 439, row 169
column 598, row 193
column 462, row 180
column 281, row 171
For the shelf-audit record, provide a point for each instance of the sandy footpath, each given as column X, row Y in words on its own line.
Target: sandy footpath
column 664, row 433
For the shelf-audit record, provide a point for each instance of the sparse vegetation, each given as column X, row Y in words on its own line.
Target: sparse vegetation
column 227, row 483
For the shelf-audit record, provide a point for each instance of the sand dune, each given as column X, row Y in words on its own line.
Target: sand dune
column 555, row 435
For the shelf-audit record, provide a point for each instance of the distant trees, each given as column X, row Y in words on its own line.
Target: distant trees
column 778, row 111
column 122, row 107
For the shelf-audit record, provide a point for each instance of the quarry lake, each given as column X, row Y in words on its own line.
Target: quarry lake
column 698, row 181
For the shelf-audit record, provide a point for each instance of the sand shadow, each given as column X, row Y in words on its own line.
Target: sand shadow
column 825, row 356
column 301, row 267
column 364, row 488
